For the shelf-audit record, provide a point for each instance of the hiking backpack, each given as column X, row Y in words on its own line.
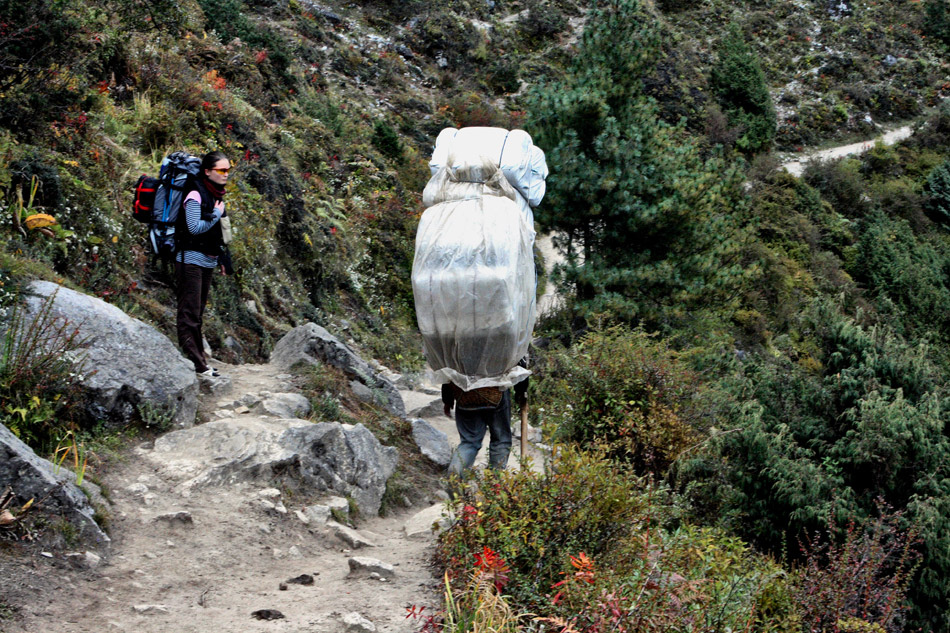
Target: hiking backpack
column 158, row 201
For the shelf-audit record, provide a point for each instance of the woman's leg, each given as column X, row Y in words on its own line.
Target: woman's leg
column 189, row 279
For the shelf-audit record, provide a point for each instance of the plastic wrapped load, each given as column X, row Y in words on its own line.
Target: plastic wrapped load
column 513, row 151
column 473, row 278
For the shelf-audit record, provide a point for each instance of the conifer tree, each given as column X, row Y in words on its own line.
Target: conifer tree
column 937, row 20
column 644, row 220
column 740, row 88
column 937, row 189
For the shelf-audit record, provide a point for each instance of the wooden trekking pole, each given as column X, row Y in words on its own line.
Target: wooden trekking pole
column 524, row 432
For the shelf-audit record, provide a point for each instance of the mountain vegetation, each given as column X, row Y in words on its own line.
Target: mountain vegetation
column 747, row 380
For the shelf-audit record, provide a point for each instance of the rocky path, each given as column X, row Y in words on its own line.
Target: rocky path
column 195, row 553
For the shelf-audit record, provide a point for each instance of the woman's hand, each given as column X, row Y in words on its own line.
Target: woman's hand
column 219, row 206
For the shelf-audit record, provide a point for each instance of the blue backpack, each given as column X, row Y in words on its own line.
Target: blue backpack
column 174, row 181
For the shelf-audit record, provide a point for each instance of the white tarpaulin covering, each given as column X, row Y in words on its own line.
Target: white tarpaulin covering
column 521, row 161
column 473, row 277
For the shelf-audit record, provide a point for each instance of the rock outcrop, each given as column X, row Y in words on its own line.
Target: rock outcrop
column 53, row 489
column 127, row 362
column 312, row 344
column 332, row 457
column 432, row 442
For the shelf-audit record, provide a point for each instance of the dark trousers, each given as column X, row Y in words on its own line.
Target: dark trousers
column 472, row 424
column 194, row 282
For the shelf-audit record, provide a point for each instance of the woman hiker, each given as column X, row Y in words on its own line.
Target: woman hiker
column 201, row 243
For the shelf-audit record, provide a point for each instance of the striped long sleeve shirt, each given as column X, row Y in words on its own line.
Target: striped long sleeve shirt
column 197, row 226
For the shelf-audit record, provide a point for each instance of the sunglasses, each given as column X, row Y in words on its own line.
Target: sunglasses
column 223, row 172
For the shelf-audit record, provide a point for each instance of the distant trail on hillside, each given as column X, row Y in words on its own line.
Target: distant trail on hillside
column 551, row 299
column 797, row 166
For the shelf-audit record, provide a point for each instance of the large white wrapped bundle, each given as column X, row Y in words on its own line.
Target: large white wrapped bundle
column 520, row 160
column 473, row 278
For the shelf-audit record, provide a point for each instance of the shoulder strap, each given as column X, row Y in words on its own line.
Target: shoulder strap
column 207, row 200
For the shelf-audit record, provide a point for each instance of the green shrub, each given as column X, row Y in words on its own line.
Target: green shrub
column 541, row 22
column 32, row 164
column 624, row 390
column 739, row 85
column 472, row 109
column 934, row 134
column 855, row 578
column 585, row 545
column 937, row 20
column 40, row 400
column 43, row 54
column 841, row 183
column 443, row 33
column 906, row 273
column 902, row 197
column 504, row 75
column 536, row 522
column 864, row 423
column 649, row 218
column 386, row 140
column 227, row 18
column 937, row 190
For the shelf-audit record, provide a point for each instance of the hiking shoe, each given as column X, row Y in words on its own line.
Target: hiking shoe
column 211, row 372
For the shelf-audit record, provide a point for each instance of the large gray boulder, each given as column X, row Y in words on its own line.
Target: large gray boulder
column 328, row 457
column 127, row 362
column 346, row 459
column 313, row 345
column 432, row 442
column 32, row 477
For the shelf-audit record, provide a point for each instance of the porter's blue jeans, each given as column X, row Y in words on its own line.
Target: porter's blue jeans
column 472, row 424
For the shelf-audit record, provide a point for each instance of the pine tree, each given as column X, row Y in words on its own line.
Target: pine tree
column 937, row 20
column 740, row 88
column 645, row 221
column 938, row 193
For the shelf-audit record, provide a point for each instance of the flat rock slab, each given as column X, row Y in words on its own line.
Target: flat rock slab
column 284, row 405
column 363, row 567
column 332, row 457
column 431, row 410
column 220, row 452
column 349, row 536
column 428, row 523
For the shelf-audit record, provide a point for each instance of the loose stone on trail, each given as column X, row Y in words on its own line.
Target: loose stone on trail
column 302, row 579
column 362, row 567
column 268, row 614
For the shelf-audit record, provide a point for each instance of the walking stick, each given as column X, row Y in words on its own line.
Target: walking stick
column 524, row 432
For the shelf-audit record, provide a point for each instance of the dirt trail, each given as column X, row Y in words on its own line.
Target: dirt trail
column 221, row 553
column 797, row 166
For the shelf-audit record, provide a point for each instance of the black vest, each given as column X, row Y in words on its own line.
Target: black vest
column 208, row 243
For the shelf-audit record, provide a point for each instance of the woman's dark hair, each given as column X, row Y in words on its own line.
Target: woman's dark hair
column 209, row 160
